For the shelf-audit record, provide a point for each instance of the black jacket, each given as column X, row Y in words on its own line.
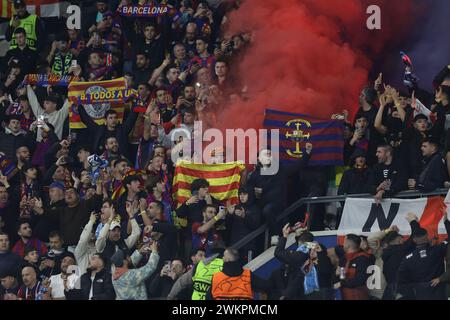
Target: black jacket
column 102, row 287
column 193, row 212
column 99, row 133
column 238, row 227
column 433, row 175
column 396, row 172
column 234, row 269
column 354, row 181
column 418, row 268
column 279, row 279
column 275, row 186
column 73, row 220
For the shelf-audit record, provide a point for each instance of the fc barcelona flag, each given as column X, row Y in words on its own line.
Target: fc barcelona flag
column 296, row 129
column 98, row 90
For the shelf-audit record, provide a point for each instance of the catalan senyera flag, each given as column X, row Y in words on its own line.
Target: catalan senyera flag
column 42, row 8
column 326, row 136
column 96, row 110
column 224, row 180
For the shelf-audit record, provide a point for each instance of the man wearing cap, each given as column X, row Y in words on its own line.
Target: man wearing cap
column 129, row 284
column 13, row 137
column 434, row 171
column 50, row 113
column 60, row 57
column 30, row 22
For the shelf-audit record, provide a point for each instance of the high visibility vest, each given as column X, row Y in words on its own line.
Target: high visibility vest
column 203, row 277
column 232, row 288
column 29, row 24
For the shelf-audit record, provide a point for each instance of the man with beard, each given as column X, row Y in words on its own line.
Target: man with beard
column 27, row 240
column 46, row 224
column 111, row 128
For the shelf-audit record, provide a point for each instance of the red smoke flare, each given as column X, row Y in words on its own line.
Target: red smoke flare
column 310, row 56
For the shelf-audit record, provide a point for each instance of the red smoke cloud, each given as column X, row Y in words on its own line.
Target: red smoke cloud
column 310, row 56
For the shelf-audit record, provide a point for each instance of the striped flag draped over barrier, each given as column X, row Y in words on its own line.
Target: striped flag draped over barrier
column 224, row 180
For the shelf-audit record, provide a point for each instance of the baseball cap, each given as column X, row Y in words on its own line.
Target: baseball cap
column 114, row 224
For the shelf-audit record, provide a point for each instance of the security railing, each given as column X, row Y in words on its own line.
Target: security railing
column 324, row 200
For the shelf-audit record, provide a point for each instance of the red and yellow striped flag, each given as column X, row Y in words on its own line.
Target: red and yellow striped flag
column 223, row 180
column 6, row 9
column 96, row 110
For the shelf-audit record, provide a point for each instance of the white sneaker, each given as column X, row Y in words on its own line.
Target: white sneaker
column 274, row 240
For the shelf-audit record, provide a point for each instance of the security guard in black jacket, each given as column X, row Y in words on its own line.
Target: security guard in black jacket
column 420, row 267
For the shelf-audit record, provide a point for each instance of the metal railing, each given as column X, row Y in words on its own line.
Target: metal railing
column 326, row 199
